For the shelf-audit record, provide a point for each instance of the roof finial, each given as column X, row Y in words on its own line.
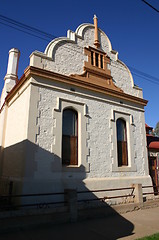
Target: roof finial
column 96, row 40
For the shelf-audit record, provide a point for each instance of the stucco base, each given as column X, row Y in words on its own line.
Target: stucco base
column 88, row 186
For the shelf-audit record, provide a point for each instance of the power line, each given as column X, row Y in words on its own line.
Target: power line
column 149, row 80
column 139, row 73
column 25, row 26
column 23, row 31
column 19, row 26
column 144, row 74
column 150, row 6
column 45, row 36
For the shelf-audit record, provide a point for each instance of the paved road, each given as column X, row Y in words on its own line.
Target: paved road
column 131, row 225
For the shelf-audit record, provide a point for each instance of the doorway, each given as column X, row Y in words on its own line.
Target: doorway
column 153, row 168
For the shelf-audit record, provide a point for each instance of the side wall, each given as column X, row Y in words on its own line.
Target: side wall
column 3, row 115
column 13, row 160
column 95, row 170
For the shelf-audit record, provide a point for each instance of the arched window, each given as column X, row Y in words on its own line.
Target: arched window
column 122, row 143
column 70, row 137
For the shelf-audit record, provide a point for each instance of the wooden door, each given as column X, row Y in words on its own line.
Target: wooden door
column 154, row 173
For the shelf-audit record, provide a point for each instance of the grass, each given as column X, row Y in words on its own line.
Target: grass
column 153, row 237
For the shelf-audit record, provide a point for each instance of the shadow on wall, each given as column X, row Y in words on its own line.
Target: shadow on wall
column 34, row 170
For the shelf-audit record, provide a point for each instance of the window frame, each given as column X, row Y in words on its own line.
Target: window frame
column 73, row 160
column 122, row 145
column 83, row 151
column 128, row 118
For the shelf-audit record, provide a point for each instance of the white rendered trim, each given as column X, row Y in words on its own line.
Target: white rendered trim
column 81, row 108
column 129, row 125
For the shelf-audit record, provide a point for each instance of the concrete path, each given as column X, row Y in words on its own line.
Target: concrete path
column 146, row 222
column 131, row 225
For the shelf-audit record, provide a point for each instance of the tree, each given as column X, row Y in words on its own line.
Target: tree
column 156, row 130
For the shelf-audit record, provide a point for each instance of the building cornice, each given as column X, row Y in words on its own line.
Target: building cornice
column 31, row 71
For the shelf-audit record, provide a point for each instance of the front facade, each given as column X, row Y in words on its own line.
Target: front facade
column 74, row 120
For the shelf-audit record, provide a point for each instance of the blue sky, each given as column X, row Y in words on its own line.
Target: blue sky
column 132, row 27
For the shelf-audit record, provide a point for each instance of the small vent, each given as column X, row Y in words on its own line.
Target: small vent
column 97, row 59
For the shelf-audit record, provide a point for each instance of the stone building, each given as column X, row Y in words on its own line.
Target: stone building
column 74, row 119
column 153, row 156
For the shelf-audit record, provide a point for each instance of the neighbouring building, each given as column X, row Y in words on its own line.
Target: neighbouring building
column 74, row 120
column 153, row 156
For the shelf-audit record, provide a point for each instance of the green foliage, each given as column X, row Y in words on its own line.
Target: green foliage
column 153, row 237
column 156, row 130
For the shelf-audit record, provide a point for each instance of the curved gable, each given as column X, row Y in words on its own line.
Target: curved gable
column 66, row 55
